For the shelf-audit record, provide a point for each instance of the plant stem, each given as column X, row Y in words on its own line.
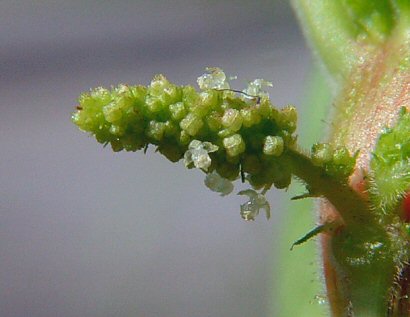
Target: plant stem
column 366, row 48
column 331, row 33
column 352, row 207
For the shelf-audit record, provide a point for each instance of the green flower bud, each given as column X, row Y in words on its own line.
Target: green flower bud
column 184, row 138
column 156, row 130
column 171, row 95
column 117, row 130
column 225, row 133
column 234, row 145
column 277, row 172
column 344, row 160
column 214, row 121
column 171, row 152
column 228, row 170
column 189, row 96
column 208, row 100
column 116, row 145
column 158, row 86
column 132, row 142
column 171, row 129
column 273, row 145
column 321, row 153
column 288, row 118
column 257, row 181
column 112, row 112
column 154, row 104
column 250, row 116
column 178, row 111
column 265, row 109
column 251, row 164
column 232, row 120
column 337, row 162
column 138, row 94
column 191, row 124
column 100, row 95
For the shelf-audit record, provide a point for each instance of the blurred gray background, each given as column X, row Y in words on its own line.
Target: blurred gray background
column 87, row 232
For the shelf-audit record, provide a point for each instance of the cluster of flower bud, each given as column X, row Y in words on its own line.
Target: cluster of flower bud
column 336, row 161
column 215, row 129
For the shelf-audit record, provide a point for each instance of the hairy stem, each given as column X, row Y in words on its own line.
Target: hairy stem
column 370, row 101
column 331, row 33
column 352, row 208
column 365, row 46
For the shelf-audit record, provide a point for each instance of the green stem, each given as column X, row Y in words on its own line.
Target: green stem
column 361, row 249
column 365, row 46
column 330, row 32
column 353, row 209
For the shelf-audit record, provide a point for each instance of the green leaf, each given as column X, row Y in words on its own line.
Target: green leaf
column 374, row 19
column 390, row 165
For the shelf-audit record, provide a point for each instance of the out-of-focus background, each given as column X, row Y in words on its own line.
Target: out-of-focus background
column 87, row 232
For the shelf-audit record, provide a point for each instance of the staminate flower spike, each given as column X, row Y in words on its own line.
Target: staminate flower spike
column 217, row 183
column 214, row 79
column 214, row 129
column 256, row 202
column 198, row 154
